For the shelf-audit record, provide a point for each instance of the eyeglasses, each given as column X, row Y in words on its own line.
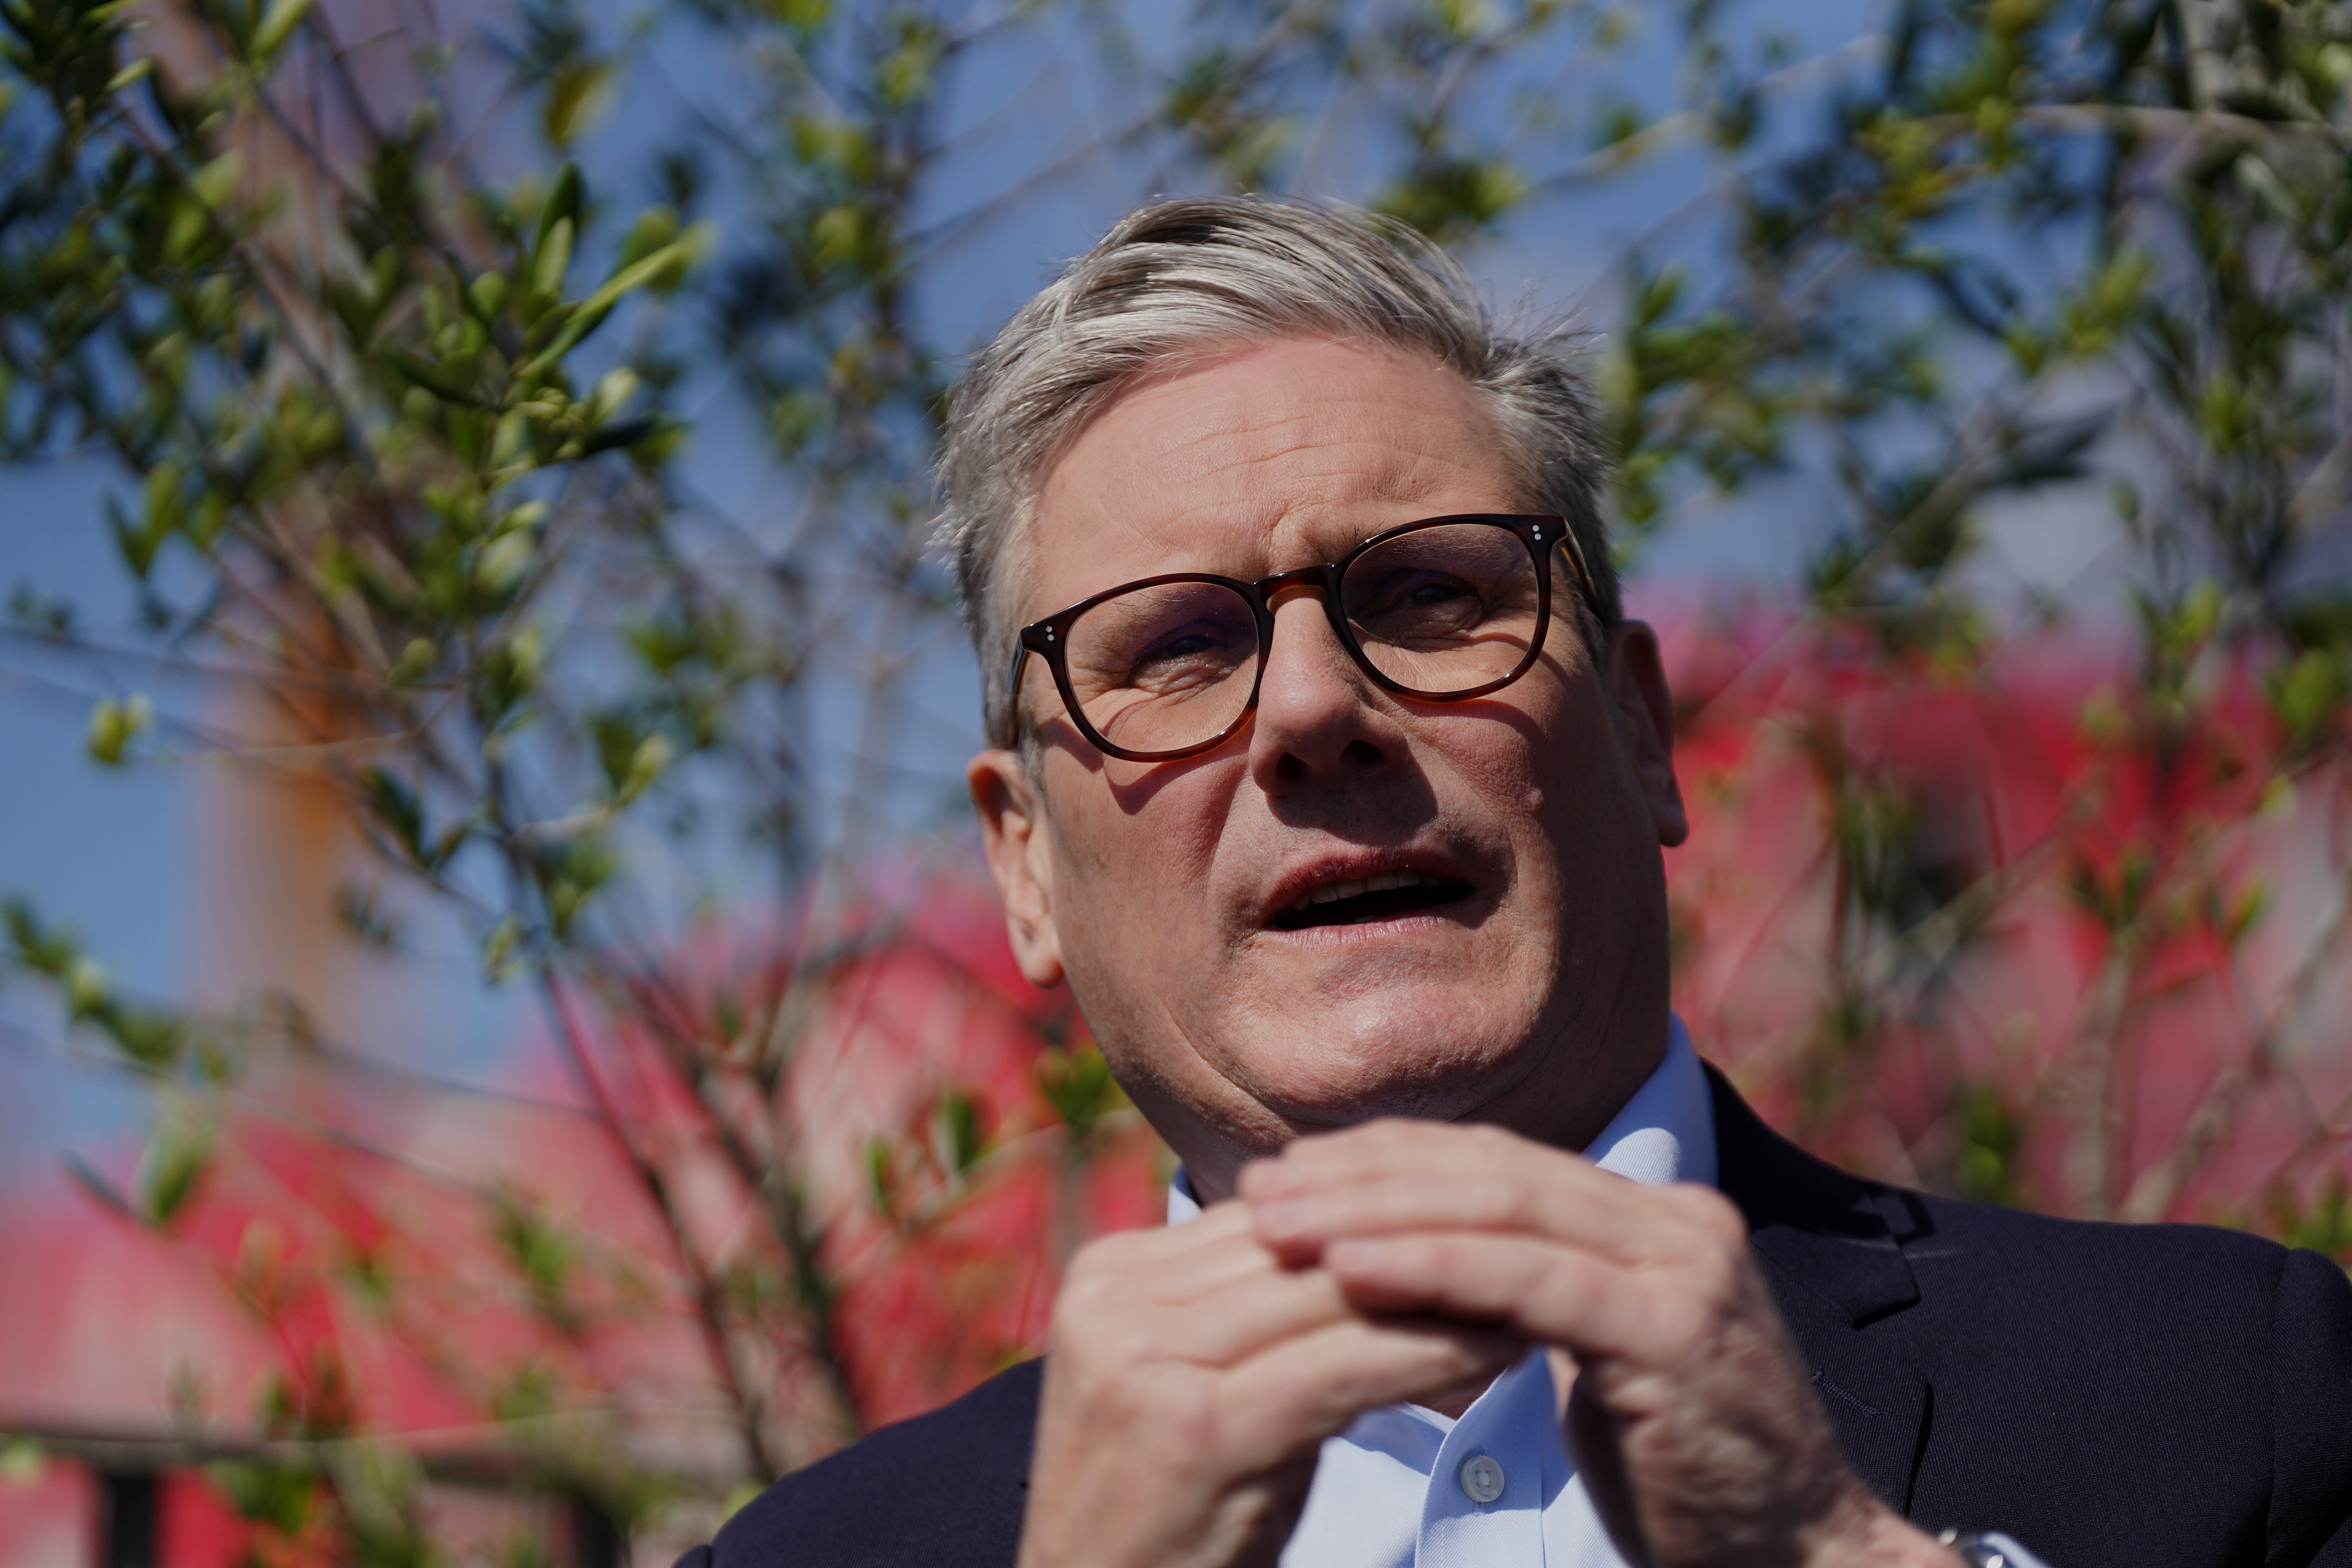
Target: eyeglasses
column 1444, row 609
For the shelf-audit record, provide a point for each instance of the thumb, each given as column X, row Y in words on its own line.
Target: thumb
column 1595, row 1434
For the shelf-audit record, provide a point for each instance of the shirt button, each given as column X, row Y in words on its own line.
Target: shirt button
column 1482, row 1477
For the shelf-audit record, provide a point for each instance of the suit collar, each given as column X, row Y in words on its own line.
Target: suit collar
column 1843, row 1234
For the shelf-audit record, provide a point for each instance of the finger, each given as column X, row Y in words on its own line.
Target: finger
column 1193, row 1267
column 1389, row 1142
column 1555, row 1295
column 1392, row 1146
column 1209, row 1300
column 1251, row 1316
column 1137, row 1247
column 1181, row 1263
column 1441, row 1177
column 1309, row 1388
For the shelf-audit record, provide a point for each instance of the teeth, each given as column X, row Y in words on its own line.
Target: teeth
column 1377, row 882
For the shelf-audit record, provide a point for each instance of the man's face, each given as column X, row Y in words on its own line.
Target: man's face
column 1525, row 985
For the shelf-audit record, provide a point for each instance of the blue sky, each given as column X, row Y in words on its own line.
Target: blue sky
column 110, row 851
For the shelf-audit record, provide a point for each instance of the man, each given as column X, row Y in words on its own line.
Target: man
column 1332, row 779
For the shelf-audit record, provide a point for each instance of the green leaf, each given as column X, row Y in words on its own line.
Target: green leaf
column 577, row 96
column 563, row 202
column 882, row 1176
column 611, row 392
column 397, row 808
column 40, row 948
column 277, row 24
column 1078, row 1085
column 655, row 226
column 963, row 1136
column 114, row 723
column 621, row 432
column 22, row 1461
column 431, row 377
column 504, row 561
column 360, row 912
column 179, row 1153
column 543, row 1256
column 592, row 312
column 2308, row 696
column 502, row 950
column 651, row 759
column 213, row 184
column 487, row 296
column 554, row 259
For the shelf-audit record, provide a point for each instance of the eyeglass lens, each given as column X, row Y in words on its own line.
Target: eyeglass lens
column 1166, row 667
column 1438, row 611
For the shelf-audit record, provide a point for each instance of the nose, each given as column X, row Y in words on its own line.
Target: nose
column 1319, row 717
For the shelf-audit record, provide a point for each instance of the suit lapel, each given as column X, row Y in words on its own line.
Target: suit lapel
column 1831, row 1247
column 1877, row 1405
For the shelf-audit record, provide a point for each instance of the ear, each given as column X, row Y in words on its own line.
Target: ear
column 1644, row 711
column 1013, row 830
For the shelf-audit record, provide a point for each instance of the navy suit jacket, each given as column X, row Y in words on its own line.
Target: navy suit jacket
column 2114, row 1396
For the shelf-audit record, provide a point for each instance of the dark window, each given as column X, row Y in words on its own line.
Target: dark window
column 595, row 1538
column 127, row 1519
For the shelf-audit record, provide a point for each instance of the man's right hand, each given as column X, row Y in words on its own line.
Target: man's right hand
column 1191, row 1380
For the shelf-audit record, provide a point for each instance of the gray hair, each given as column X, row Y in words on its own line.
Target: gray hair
column 1178, row 279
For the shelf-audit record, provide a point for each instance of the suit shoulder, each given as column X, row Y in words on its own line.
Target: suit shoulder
column 942, row 1490
column 2173, row 1264
column 2209, row 1363
column 2162, row 1290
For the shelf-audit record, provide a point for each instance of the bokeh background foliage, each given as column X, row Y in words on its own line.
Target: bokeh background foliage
column 521, row 457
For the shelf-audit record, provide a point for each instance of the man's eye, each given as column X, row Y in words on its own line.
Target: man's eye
column 1447, row 594
column 1194, row 659
column 1179, row 648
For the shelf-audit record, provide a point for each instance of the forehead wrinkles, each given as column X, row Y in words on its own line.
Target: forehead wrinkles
column 1254, row 458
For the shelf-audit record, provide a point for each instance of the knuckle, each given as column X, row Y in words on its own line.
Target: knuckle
column 1085, row 1279
column 1492, row 1146
column 1712, row 1214
column 1513, row 1205
column 1188, row 1411
column 1685, row 1322
column 1715, row 1273
column 1095, row 1259
column 1090, row 1295
column 1383, row 1133
column 1562, row 1278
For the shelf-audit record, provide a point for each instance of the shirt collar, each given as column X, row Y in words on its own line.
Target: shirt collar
column 1665, row 1133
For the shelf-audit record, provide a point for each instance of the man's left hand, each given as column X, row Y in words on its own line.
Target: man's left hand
column 1692, row 1421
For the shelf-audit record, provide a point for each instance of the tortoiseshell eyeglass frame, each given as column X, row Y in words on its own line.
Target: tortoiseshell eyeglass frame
column 1049, row 638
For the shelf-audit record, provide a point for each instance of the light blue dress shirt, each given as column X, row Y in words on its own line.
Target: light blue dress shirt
column 1406, row 1488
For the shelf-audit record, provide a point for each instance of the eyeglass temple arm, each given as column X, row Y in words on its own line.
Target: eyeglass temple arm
column 1012, row 725
column 1574, row 549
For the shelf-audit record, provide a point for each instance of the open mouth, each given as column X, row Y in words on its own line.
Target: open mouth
column 1384, row 896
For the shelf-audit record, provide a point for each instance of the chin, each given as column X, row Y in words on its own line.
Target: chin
column 1424, row 1063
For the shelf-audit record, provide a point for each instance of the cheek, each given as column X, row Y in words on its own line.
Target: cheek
column 1518, row 769
column 1137, row 881
column 1552, row 776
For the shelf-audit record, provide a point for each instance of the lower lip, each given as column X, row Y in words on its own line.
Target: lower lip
column 1391, row 926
